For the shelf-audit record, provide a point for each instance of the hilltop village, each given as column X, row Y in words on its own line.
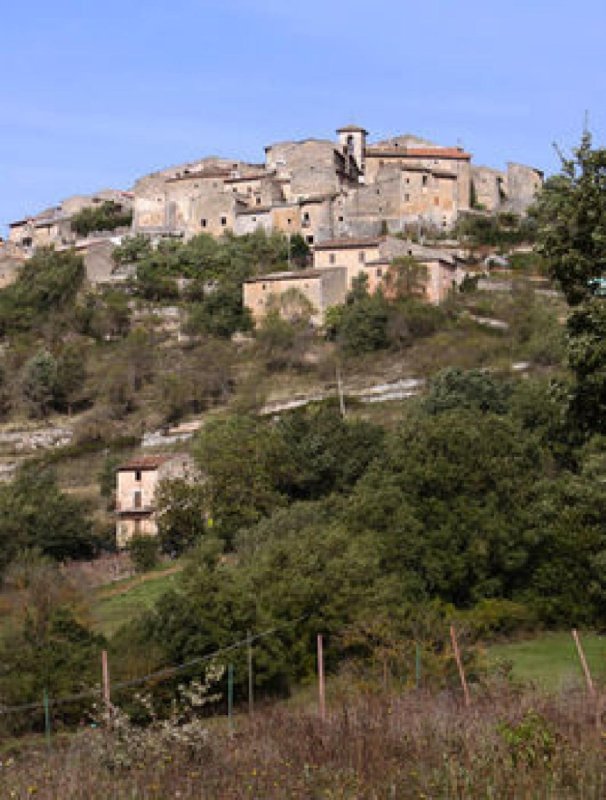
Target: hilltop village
column 348, row 199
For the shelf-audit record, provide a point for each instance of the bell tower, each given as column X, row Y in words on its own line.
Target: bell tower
column 352, row 139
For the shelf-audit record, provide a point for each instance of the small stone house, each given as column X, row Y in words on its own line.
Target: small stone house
column 321, row 288
column 136, row 484
column 373, row 257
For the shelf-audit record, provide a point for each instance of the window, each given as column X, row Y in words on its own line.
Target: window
column 332, row 258
column 361, row 257
column 289, row 220
column 203, row 223
column 258, row 201
column 309, row 239
column 378, row 191
column 137, row 499
column 340, row 219
column 254, row 219
column 223, row 221
column 424, row 180
column 137, row 527
column 379, row 272
column 406, row 198
column 137, row 474
column 27, row 242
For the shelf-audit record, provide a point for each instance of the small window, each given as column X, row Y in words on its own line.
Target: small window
column 258, row 201
column 332, row 258
column 254, row 219
column 203, row 223
column 340, row 219
column 379, row 272
column 27, row 242
column 309, row 239
column 424, row 180
column 137, row 499
column 223, row 221
column 289, row 220
column 378, row 191
column 406, row 198
column 362, row 257
column 137, row 474
column 306, row 216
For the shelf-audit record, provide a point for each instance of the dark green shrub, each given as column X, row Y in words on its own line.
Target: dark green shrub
column 144, row 552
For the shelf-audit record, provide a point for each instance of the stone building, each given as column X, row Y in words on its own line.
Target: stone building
column 52, row 227
column 318, row 188
column 513, row 190
column 338, row 262
column 283, row 291
column 136, row 485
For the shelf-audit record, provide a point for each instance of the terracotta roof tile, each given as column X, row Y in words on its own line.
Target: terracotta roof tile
column 335, row 244
column 145, row 462
column 418, row 152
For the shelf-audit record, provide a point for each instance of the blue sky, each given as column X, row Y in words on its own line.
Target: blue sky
column 95, row 94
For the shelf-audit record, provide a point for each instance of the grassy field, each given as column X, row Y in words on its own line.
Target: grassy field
column 550, row 660
column 115, row 604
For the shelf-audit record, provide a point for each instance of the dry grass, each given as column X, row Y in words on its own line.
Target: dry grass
column 508, row 745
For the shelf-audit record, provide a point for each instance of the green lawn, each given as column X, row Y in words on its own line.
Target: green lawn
column 550, row 660
column 121, row 602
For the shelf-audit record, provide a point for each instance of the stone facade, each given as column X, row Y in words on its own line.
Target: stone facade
column 282, row 291
column 136, row 485
column 338, row 262
column 318, row 188
column 52, row 227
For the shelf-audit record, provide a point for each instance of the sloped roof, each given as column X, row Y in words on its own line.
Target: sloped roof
column 146, row 462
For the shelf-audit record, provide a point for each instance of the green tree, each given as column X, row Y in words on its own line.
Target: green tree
column 241, row 459
column 144, row 552
column 449, row 501
column 34, row 512
column 571, row 215
column 38, row 383
column 70, row 378
column 471, row 389
column 47, row 284
column 181, row 515
column 104, row 217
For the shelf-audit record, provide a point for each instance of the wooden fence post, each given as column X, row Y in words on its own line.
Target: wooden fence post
column 106, row 686
column 584, row 664
column 321, row 686
column 251, row 698
column 457, row 655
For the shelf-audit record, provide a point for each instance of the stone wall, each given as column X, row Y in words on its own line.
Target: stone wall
column 523, row 185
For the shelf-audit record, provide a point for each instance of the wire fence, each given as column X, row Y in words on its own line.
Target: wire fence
column 157, row 675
